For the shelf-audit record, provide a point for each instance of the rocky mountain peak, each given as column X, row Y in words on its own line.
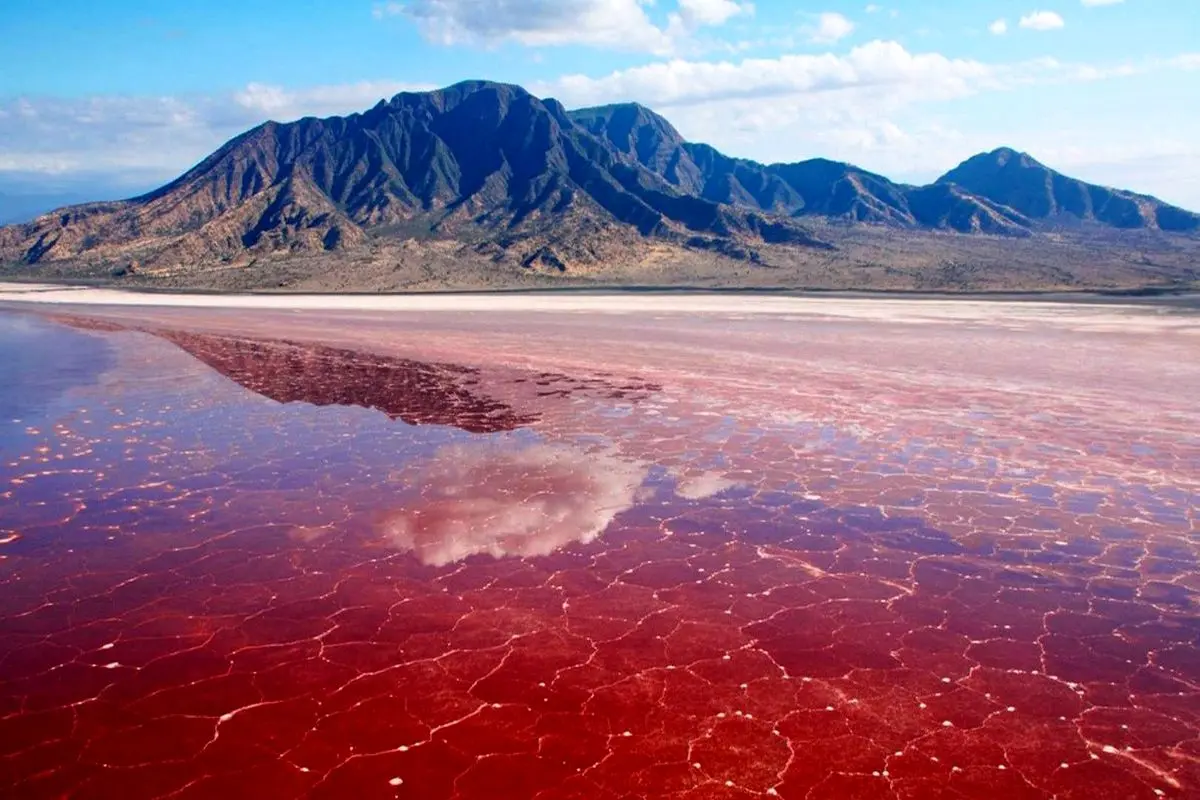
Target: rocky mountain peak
column 490, row 167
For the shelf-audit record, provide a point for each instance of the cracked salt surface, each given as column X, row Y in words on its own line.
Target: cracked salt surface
column 470, row 564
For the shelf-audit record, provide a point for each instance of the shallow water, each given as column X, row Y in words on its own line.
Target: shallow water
column 421, row 557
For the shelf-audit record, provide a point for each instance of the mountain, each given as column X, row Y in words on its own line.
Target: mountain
column 485, row 173
column 1003, row 192
column 1031, row 188
column 817, row 187
column 480, row 162
column 814, row 188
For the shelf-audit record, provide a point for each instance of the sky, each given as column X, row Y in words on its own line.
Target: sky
column 121, row 95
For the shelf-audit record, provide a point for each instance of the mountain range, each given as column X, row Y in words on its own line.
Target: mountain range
column 489, row 173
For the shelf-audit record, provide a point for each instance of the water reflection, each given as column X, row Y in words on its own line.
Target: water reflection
column 416, row 392
column 494, row 500
column 39, row 362
column 703, row 485
column 191, row 577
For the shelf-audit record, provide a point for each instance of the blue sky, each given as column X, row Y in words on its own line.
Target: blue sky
column 126, row 93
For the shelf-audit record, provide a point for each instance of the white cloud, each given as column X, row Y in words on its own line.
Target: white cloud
column 612, row 24
column 56, row 136
column 144, row 139
column 619, row 24
column 283, row 104
column 999, row 27
column 1042, row 21
column 829, row 28
column 874, row 8
column 695, row 13
column 871, row 66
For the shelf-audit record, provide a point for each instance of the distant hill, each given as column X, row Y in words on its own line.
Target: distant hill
column 1002, row 192
column 488, row 172
column 1019, row 181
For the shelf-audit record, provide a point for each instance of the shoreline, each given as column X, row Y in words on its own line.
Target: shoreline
column 509, row 309
column 1174, row 298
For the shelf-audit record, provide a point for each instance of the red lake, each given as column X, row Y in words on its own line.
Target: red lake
column 799, row 549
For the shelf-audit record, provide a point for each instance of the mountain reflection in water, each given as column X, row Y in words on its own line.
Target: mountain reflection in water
column 416, row 392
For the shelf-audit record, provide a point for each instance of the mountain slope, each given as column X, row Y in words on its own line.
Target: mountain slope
column 483, row 162
column 1003, row 192
column 487, row 173
column 1031, row 188
column 815, row 188
column 835, row 189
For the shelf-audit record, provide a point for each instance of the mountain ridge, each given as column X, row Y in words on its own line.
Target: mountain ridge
column 497, row 174
column 1021, row 182
column 841, row 190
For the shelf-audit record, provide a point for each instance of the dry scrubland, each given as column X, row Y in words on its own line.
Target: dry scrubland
column 865, row 257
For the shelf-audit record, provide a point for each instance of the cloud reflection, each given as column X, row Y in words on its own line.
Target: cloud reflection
column 527, row 501
column 703, row 485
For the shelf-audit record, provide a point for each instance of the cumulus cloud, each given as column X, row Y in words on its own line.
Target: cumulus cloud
column 829, row 28
column 696, row 13
column 523, row 502
column 999, row 27
column 611, row 24
column 538, row 23
column 876, row 64
column 1042, row 21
